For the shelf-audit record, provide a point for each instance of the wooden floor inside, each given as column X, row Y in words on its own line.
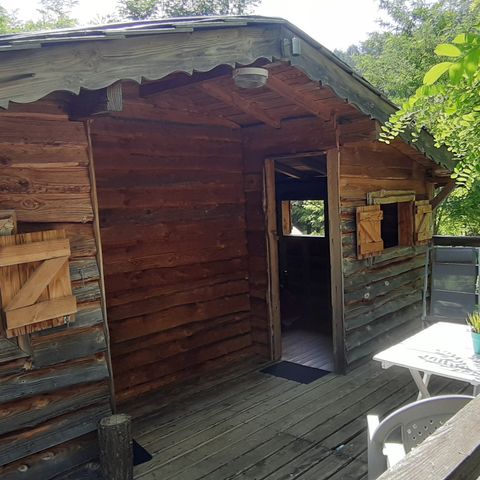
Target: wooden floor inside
column 309, row 348
column 249, row 425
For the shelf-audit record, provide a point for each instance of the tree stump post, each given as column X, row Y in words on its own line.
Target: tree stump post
column 116, row 453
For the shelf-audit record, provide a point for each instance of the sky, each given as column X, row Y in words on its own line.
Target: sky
column 334, row 23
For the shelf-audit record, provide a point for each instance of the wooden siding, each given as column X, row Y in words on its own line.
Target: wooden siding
column 383, row 294
column 58, row 392
column 173, row 230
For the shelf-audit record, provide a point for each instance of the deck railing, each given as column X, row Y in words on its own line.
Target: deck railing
column 451, row 453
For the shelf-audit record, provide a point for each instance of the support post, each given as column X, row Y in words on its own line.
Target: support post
column 115, row 442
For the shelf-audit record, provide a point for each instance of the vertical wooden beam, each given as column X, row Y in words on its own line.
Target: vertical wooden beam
column 273, row 291
column 98, row 242
column 336, row 258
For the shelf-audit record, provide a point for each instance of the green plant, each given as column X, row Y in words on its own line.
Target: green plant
column 473, row 319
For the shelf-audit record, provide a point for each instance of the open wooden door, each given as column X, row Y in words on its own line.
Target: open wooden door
column 275, row 291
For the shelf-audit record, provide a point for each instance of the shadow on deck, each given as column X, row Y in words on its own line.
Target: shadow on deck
column 249, row 425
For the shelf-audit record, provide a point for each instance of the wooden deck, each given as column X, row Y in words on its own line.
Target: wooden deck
column 309, row 348
column 248, row 425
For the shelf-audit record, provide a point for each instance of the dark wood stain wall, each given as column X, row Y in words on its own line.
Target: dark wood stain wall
column 383, row 295
column 172, row 211
column 58, row 392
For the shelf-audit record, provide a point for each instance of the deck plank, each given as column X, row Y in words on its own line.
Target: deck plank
column 258, row 427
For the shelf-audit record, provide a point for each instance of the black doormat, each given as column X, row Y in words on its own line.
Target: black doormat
column 296, row 372
column 140, row 455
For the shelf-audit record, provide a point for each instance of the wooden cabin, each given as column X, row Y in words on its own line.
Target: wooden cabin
column 151, row 200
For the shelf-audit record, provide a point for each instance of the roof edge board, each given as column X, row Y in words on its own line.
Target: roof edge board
column 264, row 38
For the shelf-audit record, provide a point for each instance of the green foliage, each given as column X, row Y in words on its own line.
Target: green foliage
column 449, row 107
column 473, row 319
column 395, row 59
column 309, row 216
column 459, row 213
column 53, row 14
column 139, row 9
column 143, row 9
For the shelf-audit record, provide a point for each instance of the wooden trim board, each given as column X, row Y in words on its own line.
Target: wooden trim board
column 273, row 292
column 336, row 258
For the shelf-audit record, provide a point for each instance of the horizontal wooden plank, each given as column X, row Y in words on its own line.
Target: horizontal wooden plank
column 148, row 157
column 38, row 155
column 160, row 277
column 201, row 239
column 183, row 361
column 114, row 179
column 49, row 207
column 87, row 292
column 177, row 316
column 176, row 334
column 208, row 367
column 30, row 383
column 182, row 196
column 33, row 252
column 28, row 131
column 144, row 356
column 148, row 216
column 195, row 256
column 67, row 345
column 168, row 298
column 41, row 311
column 53, row 432
column 55, row 180
column 82, row 240
column 61, row 459
column 30, row 412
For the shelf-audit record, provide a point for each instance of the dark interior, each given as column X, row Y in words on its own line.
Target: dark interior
column 304, row 265
column 390, row 225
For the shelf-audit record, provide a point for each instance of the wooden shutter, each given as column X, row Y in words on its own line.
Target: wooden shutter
column 35, row 281
column 369, row 234
column 423, row 221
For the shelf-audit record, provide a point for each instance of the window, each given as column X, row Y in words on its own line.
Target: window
column 392, row 219
column 303, row 217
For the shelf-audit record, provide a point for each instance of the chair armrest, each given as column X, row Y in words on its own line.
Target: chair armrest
column 372, row 423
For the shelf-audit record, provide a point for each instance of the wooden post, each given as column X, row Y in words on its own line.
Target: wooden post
column 273, row 293
column 115, row 441
column 336, row 258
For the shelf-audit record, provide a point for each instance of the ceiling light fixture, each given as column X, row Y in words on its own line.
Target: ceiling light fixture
column 250, row 77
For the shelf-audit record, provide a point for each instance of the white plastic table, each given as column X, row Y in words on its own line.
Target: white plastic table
column 444, row 349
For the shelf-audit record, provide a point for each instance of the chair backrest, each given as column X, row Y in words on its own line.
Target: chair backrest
column 416, row 421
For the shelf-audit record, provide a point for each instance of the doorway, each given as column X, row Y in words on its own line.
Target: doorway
column 302, row 259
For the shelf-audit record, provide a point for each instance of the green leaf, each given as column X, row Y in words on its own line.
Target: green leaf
column 471, row 61
column 436, row 72
column 460, row 39
column 455, row 73
column 448, row 50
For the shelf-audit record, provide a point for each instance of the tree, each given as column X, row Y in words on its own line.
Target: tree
column 54, row 14
column 144, row 9
column 395, row 58
column 448, row 105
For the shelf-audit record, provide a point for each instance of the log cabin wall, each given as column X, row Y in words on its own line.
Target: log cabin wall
column 172, row 218
column 383, row 294
column 52, row 398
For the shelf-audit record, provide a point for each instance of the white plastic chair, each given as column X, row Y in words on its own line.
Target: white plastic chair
column 415, row 422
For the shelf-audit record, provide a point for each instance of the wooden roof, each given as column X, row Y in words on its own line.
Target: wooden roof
column 33, row 65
